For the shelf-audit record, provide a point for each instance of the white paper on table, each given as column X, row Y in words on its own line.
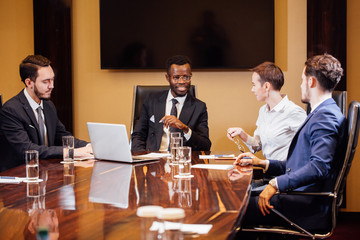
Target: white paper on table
column 224, row 156
column 213, row 166
column 195, row 228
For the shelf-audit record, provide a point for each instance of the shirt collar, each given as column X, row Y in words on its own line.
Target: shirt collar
column 284, row 101
column 32, row 102
column 316, row 105
column 181, row 100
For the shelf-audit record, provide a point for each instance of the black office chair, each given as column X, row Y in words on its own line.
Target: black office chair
column 340, row 98
column 1, row 102
column 353, row 123
column 141, row 92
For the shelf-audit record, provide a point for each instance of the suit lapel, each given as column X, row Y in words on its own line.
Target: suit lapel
column 294, row 140
column 187, row 110
column 159, row 113
column 30, row 113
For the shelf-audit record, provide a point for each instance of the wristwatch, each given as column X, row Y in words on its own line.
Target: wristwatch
column 272, row 182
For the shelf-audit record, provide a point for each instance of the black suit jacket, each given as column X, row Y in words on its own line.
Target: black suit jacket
column 148, row 131
column 19, row 132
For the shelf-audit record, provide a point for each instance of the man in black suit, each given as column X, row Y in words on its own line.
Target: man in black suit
column 161, row 114
column 29, row 120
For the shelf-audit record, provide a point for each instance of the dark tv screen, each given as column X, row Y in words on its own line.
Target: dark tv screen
column 230, row 34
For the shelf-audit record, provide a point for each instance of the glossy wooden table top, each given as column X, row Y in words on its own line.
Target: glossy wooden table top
column 99, row 199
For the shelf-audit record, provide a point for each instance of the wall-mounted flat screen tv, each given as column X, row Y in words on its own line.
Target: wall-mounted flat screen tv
column 227, row 34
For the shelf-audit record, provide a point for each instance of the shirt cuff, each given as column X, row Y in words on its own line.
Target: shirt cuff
column 273, row 182
column 267, row 162
column 187, row 135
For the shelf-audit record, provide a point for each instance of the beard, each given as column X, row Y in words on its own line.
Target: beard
column 305, row 98
column 40, row 95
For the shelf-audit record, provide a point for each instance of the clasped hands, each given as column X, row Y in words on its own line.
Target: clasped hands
column 172, row 121
column 269, row 191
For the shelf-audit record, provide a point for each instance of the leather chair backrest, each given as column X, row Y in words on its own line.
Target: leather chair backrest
column 141, row 92
column 353, row 125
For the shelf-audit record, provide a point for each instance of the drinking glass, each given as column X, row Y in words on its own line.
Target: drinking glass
column 170, row 223
column 68, row 148
column 32, row 165
column 184, row 161
column 175, row 144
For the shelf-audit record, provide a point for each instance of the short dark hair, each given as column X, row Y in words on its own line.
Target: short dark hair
column 30, row 65
column 271, row 73
column 326, row 69
column 178, row 60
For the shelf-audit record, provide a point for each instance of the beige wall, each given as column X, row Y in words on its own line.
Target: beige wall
column 16, row 42
column 353, row 76
column 106, row 96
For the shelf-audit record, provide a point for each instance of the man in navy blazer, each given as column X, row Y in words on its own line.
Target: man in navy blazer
column 152, row 131
column 314, row 159
column 19, row 127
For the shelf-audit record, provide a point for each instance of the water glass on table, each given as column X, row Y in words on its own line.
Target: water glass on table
column 148, row 216
column 172, row 135
column 170, row 223
column 68, row 148
column 32, row 165
column 175, row 144
column 185, row 161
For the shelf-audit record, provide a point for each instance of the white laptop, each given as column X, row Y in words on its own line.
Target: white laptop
column 110, row 142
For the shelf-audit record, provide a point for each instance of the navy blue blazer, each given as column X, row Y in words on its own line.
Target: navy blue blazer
column 312, row 163
column 148, row 131
column 314, row 160
column 19, row 132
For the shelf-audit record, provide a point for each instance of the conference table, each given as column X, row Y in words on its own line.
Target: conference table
column 95, row 199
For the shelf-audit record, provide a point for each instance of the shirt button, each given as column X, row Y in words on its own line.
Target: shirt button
column 288, row 169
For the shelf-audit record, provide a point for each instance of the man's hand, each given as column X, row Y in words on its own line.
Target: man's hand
column 264, row 199
column 249, row 158
column 83, row 152
column 172, row 121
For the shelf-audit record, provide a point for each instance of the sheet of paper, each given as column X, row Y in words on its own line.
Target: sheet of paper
column 224, row 156
column 186, row 228
column 214, row 166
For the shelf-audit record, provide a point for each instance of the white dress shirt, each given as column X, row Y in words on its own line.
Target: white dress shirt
column 276, row 128
column 165, row 140
column 34, row 106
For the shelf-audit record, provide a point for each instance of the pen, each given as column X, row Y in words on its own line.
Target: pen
column 7, row 177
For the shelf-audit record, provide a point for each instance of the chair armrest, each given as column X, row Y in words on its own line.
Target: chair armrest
column 328, row 194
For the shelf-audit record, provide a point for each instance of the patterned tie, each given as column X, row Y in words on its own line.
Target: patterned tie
column 173, row 112
column 41, row 126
